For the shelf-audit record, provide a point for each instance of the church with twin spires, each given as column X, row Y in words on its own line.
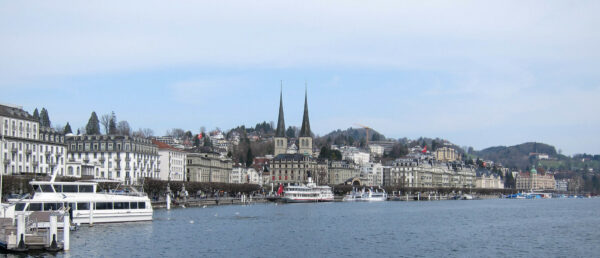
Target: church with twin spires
column 290, row 165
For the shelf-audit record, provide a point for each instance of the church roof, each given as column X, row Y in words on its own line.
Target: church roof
column 305, row 129
column 280, row 132
column 292, row 157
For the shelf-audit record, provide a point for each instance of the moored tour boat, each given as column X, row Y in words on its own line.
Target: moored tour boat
column 368, row 195
column 307, row 193
column 84, row 203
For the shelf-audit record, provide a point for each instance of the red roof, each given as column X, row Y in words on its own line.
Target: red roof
column 163, row 146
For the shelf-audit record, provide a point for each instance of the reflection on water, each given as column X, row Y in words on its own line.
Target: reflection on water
column 556, row 227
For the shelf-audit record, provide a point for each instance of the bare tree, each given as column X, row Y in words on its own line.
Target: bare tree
column 148, row 132
column 123, row 128
column 143, row 133
column 176, row 132
column 59, row 128
column 105, row 122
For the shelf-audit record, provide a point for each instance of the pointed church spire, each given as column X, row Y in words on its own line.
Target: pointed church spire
column 305, row 129
column 280, row 132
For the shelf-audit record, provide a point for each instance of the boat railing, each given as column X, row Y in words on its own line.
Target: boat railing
column 125, row 193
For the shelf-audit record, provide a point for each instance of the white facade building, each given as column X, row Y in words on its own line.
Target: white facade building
column 376, row 150
column 25, row 148
column 254, row 177
column 355, row 155
column 373, row 173
column 116, row 157
column 238, row 175
column 172, row 162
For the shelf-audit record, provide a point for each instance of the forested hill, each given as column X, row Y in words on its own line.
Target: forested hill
column 516, row 156
column 350, row 136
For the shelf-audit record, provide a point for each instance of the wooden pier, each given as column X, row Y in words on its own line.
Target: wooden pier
column 36, row 231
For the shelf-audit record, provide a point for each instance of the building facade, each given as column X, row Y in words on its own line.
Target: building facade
column 372, row 173
column 535, row 182
column 172, row 162
column 446, row 154
column 355, row 155
column 115, row 157
column 208, row 167
column 341, row 171
column 239, row 175
column 429, row 174
column 27, row 148
column 486, row 179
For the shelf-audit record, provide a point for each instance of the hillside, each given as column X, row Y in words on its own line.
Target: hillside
column 350, row 136
column 516, row 156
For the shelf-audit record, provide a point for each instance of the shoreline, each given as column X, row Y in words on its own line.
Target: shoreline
column 238, row 201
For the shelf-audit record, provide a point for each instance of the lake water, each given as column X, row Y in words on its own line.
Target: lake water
column 479, row 228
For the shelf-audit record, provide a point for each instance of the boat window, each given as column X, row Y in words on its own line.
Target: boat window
column 134, row 205
column 121, row 205
column 104, row 206
column 35, row 207
column 141, row 205
column 83, row 206
column 58, row 188
column 37, row 188
column 72, row 206
column 69, row 188
column 20, row 206
column 86, row 188
column 50, row 206
column 46, row 188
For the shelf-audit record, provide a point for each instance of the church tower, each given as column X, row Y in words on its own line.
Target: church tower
column 305, row 140
column 280, row 140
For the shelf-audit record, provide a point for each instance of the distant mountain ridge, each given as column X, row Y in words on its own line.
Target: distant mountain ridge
column 517, row 156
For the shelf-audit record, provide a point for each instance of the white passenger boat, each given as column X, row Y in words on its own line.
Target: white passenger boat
column 307, row 193
column 366, row 195
column 85, row 203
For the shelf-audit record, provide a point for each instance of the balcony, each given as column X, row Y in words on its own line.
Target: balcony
column 6, row 162
column 101, row 159
column 28, row 151
column 127, row 159
column 117, row 159
column 86, row 160
column 48, row 153
column 14, row 149
column 34, row 163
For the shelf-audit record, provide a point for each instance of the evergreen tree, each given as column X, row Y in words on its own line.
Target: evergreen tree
column 67, row 129
column 112, row 125
column 36, row 115
column 207, row 142
column 249, row 157
column 290, row 132
column 509, row 181
column 196, row 141
column 93, row 125
column 44, row 118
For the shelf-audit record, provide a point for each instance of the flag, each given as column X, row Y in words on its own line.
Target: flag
column 280, row 190
column 199, row 136
column 424, row 149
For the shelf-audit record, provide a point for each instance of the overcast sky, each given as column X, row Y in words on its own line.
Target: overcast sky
column 478, row 73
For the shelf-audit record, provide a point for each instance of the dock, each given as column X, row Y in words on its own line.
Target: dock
column 35, row 231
